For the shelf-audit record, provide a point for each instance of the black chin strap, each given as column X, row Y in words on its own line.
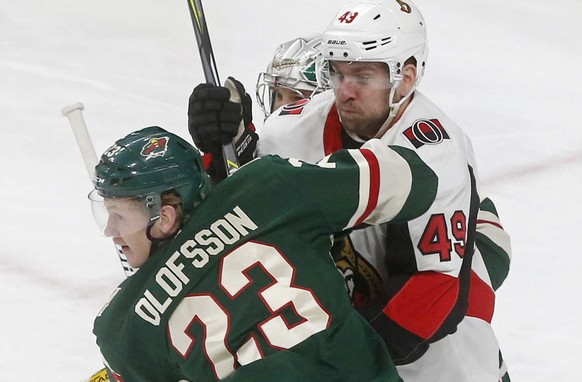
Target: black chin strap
column 156, row 242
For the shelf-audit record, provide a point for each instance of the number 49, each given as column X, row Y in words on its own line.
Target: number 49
column 435, row 238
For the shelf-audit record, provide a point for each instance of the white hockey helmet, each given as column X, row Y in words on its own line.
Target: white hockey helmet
column 389, row 31
column 297, row 65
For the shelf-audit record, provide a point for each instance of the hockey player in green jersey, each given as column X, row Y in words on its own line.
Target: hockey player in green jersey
column 238, row 287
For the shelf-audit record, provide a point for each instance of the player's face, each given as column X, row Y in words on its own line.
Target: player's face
column 126, row 224
column 284, row 96
column 361, row 91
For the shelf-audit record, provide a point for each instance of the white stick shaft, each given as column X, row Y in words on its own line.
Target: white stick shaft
column 75, row 116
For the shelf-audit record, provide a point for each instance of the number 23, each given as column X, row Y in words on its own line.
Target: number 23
column 205, row 309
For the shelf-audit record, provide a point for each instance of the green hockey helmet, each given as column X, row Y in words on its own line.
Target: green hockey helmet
column 142, row 167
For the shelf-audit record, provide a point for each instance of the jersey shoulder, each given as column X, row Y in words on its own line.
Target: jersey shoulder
column 426, row 129
column 296, row 130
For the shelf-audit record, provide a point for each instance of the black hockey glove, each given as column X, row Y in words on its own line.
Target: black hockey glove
column 214, row 120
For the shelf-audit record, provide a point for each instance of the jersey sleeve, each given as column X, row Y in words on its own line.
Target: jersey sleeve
column 493, row 243
column 491, row 261
column 368, row 186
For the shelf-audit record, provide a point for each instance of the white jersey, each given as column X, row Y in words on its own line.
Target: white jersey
column 424, row 275
column 297, row 130
column 302, row 131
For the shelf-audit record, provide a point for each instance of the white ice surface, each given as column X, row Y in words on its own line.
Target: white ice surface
column 508, row 72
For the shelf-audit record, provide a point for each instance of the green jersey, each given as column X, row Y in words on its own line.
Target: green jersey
column 247, row 289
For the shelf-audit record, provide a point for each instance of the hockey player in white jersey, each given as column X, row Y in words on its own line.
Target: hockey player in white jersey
column 418, row 287
column 377, row 52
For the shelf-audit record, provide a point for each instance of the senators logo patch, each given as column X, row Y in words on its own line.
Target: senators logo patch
column 426, row 132
column 156, row 147
column 295, row 108
column 362, row 280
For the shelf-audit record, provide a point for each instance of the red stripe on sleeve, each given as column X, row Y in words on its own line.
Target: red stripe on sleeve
column 482, row 221
column 481, row 299
column 424, row 302
column 374, row 190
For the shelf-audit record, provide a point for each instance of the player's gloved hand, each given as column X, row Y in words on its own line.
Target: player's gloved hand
column 246, row 101
column 214, row 118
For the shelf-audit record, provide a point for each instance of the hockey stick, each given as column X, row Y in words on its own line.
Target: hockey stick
column 211, row 74
column 74, row 114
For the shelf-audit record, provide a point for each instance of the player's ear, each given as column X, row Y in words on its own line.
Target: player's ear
column 168, row 222
column 408, row 79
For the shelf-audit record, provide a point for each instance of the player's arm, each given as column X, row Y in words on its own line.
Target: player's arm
column 429, row 265
column 377, row 183
column 354, row 188
column 493, row 243
column 213, row 120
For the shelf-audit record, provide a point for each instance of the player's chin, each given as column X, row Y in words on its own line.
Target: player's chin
column 132, row 260
column 127, row 252
column 136, row 256
column 351, row 121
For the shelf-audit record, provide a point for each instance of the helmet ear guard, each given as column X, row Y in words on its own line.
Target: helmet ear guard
column 153, row 203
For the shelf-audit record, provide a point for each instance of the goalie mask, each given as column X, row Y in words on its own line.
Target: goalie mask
column 133, row 175
column 297, row 65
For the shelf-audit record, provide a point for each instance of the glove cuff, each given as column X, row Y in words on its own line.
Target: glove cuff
column 245, row 146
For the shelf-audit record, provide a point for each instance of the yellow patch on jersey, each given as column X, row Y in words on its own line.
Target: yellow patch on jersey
column 100, row 376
